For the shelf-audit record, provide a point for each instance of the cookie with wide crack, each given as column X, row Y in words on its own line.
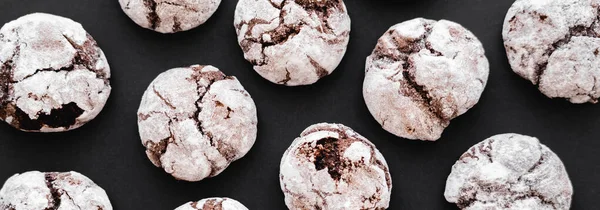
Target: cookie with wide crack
column 169, row 16
column 509, row 171
column 53, row 75
column 293, row 42
column 422, row 74
column 555, row 44
column 195, row 121
column 213, row 204
column 36, row 190
column 330, row 166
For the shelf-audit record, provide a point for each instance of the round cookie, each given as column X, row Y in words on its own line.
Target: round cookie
column 36, row 190
column 293, row 42
column 53, row 75
column 213, row 203
column 332, row 167
column 509, row 171
column 421, row 75
column 169, row 16
column 555, row 44
column 195, row 121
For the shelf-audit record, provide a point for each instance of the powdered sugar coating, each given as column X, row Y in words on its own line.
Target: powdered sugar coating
column 53, row 75
column 421, row 75
column 169, row 16
column 213, row 204
column 195, row 121
column 332, row 167
column 509, row 171
column 36, row 190
column 555, row 44
column 293, row 42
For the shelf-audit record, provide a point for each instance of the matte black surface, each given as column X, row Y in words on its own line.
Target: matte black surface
column 109, row 150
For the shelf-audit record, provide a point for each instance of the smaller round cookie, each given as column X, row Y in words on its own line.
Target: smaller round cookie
column 332, row 167
column 195, row 121
column 36, row 190
column 421, row 75
column 53, row 75
column 555, row 44
column 169, row 16
column 213, row 204
column 293, row 42
column 509, row 171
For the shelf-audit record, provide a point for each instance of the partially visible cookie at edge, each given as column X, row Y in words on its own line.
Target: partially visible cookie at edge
column 213, row 204
column 195, row 121
column 169, row 16
column 330, row 166
column 555, row 44
column 421, row 75
column 293, row 42
column 509, row 171
column 53, row 75
column 36, row 190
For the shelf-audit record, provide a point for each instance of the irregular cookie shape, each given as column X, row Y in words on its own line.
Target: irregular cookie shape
column 421, row 75
column 169, row 16
column 195, row 121
column 332, row 167
column 53, row 75
column 509, row 171
column 213, row 204
column 293, row 42
column 555, row 44
column 36, row 190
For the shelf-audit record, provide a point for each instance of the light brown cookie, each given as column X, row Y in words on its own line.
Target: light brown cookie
column 195, row 121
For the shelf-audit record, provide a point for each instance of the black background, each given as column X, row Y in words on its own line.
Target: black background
column 109, row 150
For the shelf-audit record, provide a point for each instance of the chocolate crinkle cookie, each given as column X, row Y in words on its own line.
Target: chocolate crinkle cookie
column 555, row 44
column 53, row 75
column 332, row 167
column 36, row 190
column 421, row 75
column 169, row 16
column 293, row 42
column 195, row 121
column 509, row 171
column 213, row 204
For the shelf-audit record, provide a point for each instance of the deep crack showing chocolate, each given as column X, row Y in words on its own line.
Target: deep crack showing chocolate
column 213, row 204
column 55, row 193
column 407, row 47
column 152, row 16
column 328, row 154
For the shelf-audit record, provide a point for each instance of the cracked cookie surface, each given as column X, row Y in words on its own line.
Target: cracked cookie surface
column 293, row 42
column 169, row 16
column 213, row 204
column 195, row 121
column 330, row 166
column 421, row 75
column 509, row 171
column 36, row 190
column 555, row 44
column 53, row 75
